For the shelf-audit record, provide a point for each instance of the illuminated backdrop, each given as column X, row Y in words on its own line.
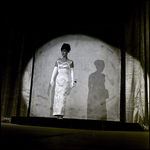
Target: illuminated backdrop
column 97, row 70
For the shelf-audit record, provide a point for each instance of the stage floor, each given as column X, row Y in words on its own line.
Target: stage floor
column 35, row 137
column 77, row 124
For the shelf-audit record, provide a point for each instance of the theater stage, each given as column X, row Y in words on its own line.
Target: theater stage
column 35, row 137
column 77, row 124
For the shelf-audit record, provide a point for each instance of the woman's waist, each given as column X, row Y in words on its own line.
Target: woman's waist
column 63, row 77
column 64, row 72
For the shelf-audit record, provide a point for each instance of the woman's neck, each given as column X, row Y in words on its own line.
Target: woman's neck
column 65, row 58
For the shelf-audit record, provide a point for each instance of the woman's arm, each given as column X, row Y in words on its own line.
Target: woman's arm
column 72, row 75
column 51, row 84
column 53, row 75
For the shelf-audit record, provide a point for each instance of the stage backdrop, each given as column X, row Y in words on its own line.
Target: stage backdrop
column 97, row 70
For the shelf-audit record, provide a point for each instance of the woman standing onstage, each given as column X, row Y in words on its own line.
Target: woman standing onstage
column 64, row 69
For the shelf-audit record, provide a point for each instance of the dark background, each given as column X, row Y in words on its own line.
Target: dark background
column 26, row 27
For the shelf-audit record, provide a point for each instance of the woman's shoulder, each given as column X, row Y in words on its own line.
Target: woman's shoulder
column 57, row 62
column 71, row 64
column 59, row 59
column 70, row 61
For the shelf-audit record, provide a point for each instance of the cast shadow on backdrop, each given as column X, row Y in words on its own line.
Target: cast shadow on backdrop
column 97, row 95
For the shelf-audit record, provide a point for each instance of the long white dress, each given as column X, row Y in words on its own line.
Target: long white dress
column 62, row 87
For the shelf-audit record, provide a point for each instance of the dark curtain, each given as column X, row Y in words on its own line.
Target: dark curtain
column 136, row 46
column 19, row 43
column 11, row 62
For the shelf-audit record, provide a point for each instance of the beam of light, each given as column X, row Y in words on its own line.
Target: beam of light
column 82, row 103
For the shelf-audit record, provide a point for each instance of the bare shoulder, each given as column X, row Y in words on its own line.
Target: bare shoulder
column 71, row 64
column 58, row 59
column 71, row 61
column 56, row 63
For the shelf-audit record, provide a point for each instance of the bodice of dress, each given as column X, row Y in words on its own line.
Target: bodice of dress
column 64, row 67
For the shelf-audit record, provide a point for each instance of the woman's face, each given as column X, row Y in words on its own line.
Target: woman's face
column 64, row 53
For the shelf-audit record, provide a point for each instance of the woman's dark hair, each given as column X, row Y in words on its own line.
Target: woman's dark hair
column 66, row 47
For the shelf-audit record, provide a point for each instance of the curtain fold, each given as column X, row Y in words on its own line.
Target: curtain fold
column 137, row 63
column 11, row 70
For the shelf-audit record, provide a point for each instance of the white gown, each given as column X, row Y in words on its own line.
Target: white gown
column 62, row 87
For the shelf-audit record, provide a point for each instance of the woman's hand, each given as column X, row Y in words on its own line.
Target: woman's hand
column 51, row 84
column 73, row 84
